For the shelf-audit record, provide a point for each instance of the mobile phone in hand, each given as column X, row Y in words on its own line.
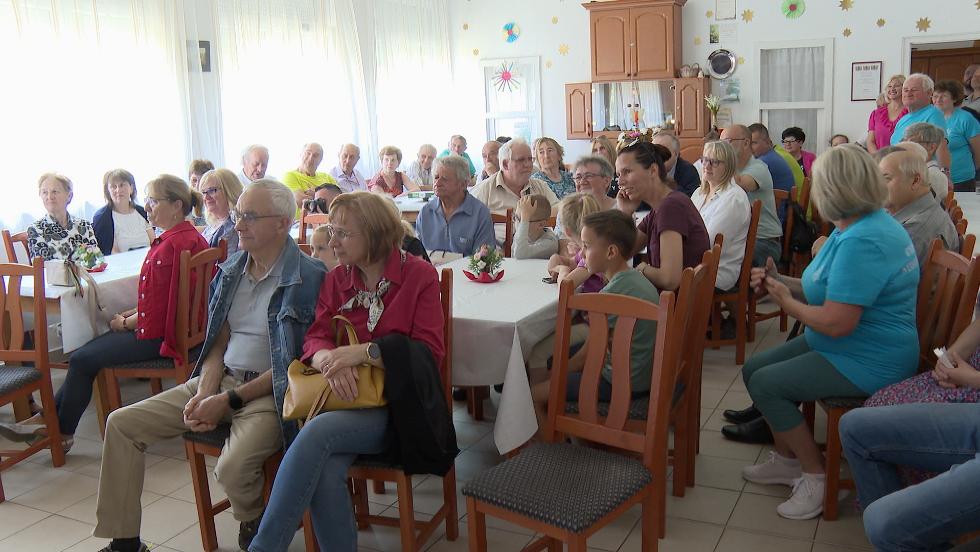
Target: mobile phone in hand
column 550, row 279
column 940, row 353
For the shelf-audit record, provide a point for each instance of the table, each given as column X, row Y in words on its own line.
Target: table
column 409, row 206
column 495, row 327
column 118, row 288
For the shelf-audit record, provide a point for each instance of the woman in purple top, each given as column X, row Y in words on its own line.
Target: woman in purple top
column 882, row 122
column 673, row 232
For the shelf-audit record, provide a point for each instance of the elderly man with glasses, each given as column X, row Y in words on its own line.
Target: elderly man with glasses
column 454, row 221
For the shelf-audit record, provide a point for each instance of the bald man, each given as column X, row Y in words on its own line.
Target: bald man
column 491, row 160
column 304, row 180
column 348, row 178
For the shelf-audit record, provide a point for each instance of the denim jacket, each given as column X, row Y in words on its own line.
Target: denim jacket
column 291, row 311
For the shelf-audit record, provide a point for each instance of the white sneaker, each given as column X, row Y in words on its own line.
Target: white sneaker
column 807, row 499
column 776, row 470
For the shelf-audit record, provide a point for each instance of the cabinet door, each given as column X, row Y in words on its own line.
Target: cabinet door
column 578, row 110
column 692, row 115
column 652, row 40
column 610, row 45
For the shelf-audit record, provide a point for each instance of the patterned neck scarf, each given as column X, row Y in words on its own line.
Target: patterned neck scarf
column 371, row 300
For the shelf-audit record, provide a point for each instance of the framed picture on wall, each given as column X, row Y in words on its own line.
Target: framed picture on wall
column 865, row 81
column 204, row 52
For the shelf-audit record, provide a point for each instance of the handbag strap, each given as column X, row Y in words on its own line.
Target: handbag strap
column 319, row 403
column 94, row 304
column 339, row 319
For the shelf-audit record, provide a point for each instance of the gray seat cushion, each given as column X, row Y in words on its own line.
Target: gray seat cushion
column 216, row 437
column 13, row 378
column 563, row 485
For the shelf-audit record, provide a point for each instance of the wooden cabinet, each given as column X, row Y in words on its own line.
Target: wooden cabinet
column 578, row 110
column 692, row 118
column 635, row 39
column 691, row 148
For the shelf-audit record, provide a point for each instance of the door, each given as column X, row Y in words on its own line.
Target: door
column 610, row 45
column 692, row 116
column 652, row 41
column 578, row 110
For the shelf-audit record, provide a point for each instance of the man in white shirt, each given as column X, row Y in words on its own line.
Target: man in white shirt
column 348, row 178
column 420, row 171
column 255, row 160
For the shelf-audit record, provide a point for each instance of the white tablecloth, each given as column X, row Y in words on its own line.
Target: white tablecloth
column 408, row 204
column 118, row 287
column 494, row 327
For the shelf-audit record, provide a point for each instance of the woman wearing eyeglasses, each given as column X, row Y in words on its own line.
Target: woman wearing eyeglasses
column 388, row 296
column 793, row 139
column 221, row 189
column 141, row 334
column 121, row 224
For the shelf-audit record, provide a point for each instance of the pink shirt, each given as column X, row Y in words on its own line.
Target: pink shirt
column 882, row 126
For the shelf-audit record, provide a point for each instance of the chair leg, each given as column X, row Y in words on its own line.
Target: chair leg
column 832, row 478
column 156, row 386
column 477, row 524
column 452, row 509
column 50, row 415
column 113, row 394
column 716, row 324
column 577, row 545
column 650, row 534
column 406, row 512
column 682, row 434
column 809, row 413
column 2, row 497
column 308, row 535
column 694, row 426
column 22, row 409
column 378, row 486
column 474, row 402
column 740, row 322
column 360, row 502
column 783, row 320
column 750, row 333
column 202, row 497
column 101, row 395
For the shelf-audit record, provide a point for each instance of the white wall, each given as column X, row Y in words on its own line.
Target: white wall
column 959, row 19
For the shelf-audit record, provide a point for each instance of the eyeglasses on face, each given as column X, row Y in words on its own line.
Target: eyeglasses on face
column 339, row 233
column 247, row 218
column 709, row 162
column 523, row 160
column 790, row 141
column 586, row 176
column 210, row 191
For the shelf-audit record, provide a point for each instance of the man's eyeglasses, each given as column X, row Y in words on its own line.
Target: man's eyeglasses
column 523, row 160
column 586, row 176
column 210, row 191
column 339, row 233
column 248, row 218
column 730, row 140
column 709, row 162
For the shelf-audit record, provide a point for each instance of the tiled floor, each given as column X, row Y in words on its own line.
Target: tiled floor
column 51, row 509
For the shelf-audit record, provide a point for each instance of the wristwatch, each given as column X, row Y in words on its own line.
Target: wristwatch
column 373, row 351
column 234, row 400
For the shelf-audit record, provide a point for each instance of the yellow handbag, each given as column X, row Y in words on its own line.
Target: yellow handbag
column 309, row 394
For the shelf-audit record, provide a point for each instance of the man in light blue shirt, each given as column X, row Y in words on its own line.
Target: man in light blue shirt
column 454, row 221
column 917, row 98
column 457, row 146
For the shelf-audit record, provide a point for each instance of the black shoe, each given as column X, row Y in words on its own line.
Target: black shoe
column 742, row 416
column 109, row 548
column 499, row 388
column 755, row 432
column 247, row 531
column 459, row 394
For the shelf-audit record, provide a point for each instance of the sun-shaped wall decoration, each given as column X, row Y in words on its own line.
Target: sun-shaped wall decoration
column 466, row 26
column 709, row 14
column 923, row 24
column 554, row 20
column 846, row 32
column 697, row 41
column 740, row 60
column 504, row 78
column 747, row 15
column 793, row 9
column 846, row 4
column 476, row 51
column 548, row 64
column 511, row 32
column 881, row 22
column 563, row 49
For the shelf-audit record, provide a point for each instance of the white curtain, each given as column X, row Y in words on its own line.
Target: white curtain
column 792, row 75
column 290, row 74
column 413, row 75
column 89, row 87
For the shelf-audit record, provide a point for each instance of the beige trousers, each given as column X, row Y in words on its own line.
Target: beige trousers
column 255, row 436
column 537, row 361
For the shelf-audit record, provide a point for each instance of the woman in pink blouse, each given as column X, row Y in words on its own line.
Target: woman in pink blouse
column 882, row 122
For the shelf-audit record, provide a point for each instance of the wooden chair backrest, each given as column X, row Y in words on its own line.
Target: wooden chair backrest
column 612, row 430
column 788, row 228
column 310, row 220
column 950, row 201
column 967, row 244
column 196, row 273
column 507, row 220
column 12, row 325
column 961, row 226
column 956, row 214
column 701, row 285
column 446, row 297
column 745, row 272
column 9, row 244
column 306, row 248
column 946, row 299
column 552, row 222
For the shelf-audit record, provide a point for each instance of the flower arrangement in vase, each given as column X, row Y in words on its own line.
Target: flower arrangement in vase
column 713, row 103
column 89, row 257
column 630, row 137
column 485, row 265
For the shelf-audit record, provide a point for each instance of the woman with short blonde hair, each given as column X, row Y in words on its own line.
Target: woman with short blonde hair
column 389, row 179
column 221, row 190
column 857, row 301
column 725, row 209
column 881, row 123
column 57, row 234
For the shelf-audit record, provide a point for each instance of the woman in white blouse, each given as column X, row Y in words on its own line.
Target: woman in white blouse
column 121, row 224
column 724, row 206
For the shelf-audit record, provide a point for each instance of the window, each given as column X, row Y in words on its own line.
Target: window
column 796, row 89
column 513, row 97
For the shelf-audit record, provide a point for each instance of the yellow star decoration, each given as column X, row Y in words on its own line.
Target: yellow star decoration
column 547, row 64
column 563, row 49
column 697, row 41
column 476, row 51
column 740, row 60
column 881, row 22
column 466, row 26
column 846, row 4
column 923, row 24
column 847, row 32
column 709, row 14
column 554, row 20
column 747, row 15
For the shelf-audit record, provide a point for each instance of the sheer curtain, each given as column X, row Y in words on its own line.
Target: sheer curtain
column 792, row 92
column 290, row 74
column 413, row 75
column 88, row 87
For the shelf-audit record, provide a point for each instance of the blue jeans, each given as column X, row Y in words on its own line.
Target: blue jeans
column 927, row 436
column 313, row 475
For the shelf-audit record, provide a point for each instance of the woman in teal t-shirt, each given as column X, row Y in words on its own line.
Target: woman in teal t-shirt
column 857, row 299
column 962, row 132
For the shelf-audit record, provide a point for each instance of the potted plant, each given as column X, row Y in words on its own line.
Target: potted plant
column 485, row 265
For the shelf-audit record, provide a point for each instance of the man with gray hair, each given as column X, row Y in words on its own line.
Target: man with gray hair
column 917, row 98
column 457, row 146
column 255, row 160
column 454, row 221
column 420, row 171
column 929, row 137
column 911, row 203
column 262, row 299
column 683, row 173
column 348, row 178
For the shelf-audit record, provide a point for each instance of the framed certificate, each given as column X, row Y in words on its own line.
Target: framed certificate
column 865, row 81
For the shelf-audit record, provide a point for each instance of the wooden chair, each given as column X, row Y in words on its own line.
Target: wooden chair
column 310, row 220
column 209, row 443
column 950, row 200
column 192, row 320
column 507, row 220
column 552, row 487
column 796, row 261
column 956, row 214
column 755, row 317
column 10, row 241
column 737, row 300
column 414, row 532
column 18, row 382
column 967, row 241
column 944, row 307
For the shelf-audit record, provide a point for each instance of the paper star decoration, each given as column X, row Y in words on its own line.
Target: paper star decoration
column 740, row 60
column 476, row 51
column 554, row 20
column 709, row 14
column 847, row 32
column 747, row 15
column 563, row 49
column 846, row 4
column 923, row 24
column 547, row 64
column 466, row 26
column 881, row 22
column 697, row 41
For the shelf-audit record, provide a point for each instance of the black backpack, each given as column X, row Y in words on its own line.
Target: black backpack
column 804, row 231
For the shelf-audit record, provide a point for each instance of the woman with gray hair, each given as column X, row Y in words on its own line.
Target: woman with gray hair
column 857, row 300
column 57, row 234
